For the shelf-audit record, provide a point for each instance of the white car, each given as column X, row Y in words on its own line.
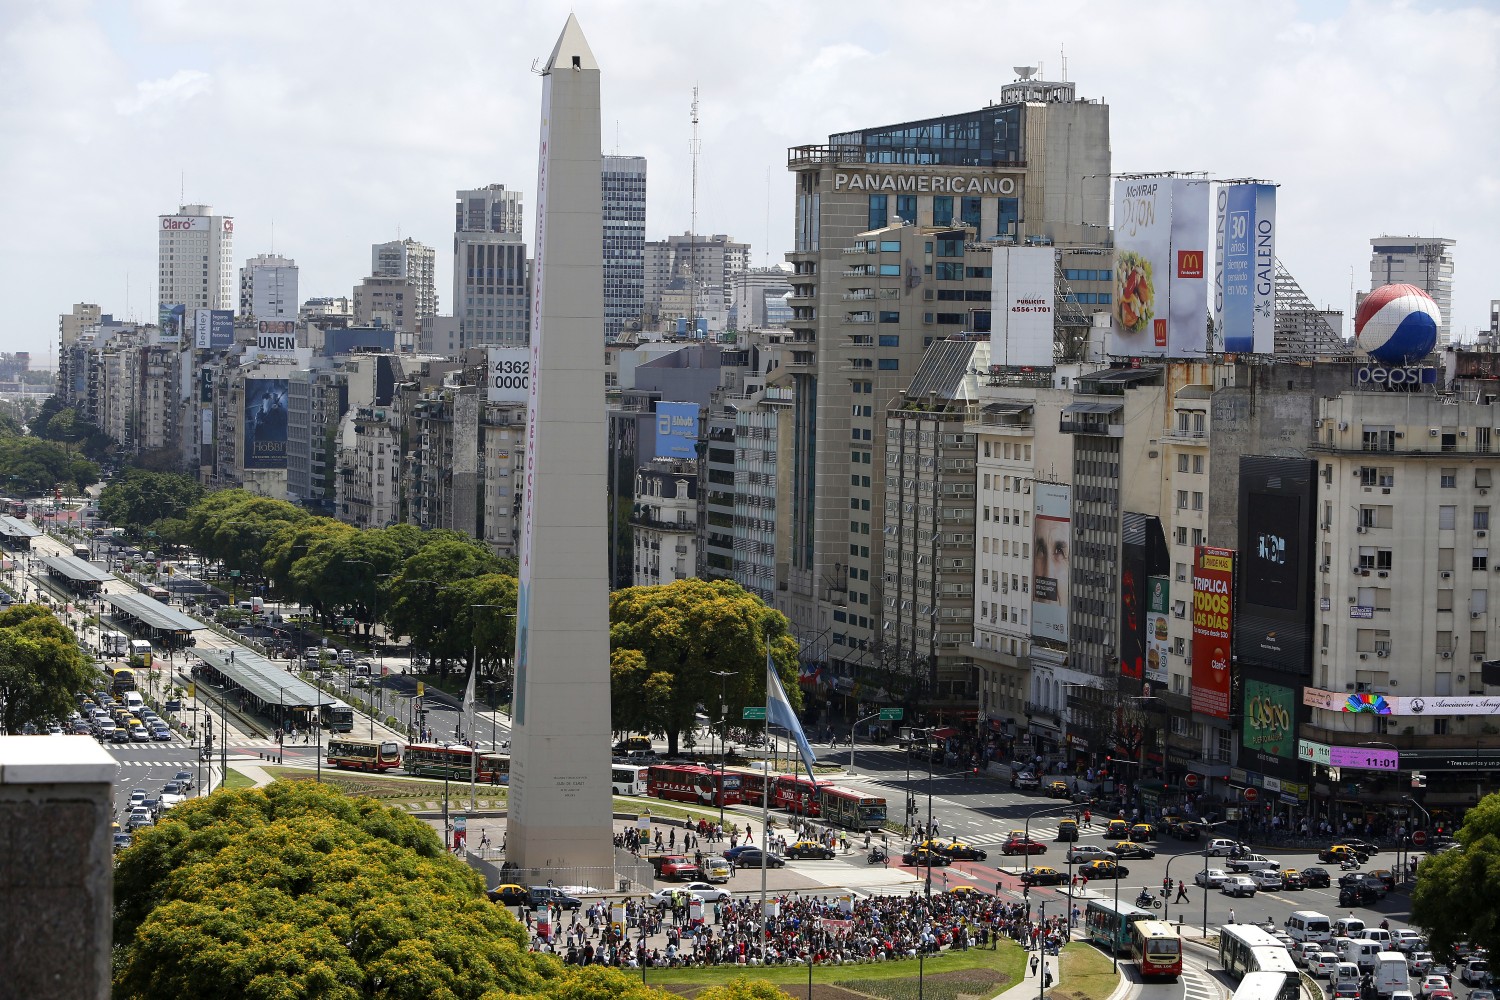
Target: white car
column 1088, row 852
column 1211, row 878
column 1238, row 885
column 139, row 816
column 1431, row 984
column 1420, row 963
column 1405, row 938
column 1221, row 848
column 1305, row 952
column 702, row 890
column 1323, row 964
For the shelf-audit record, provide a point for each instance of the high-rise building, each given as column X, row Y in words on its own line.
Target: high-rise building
column 417, row 264
column 268, row 287
column 622, row 187
column 195, row 259
column 491, row 275
column 894, row 232
column 1424, row 261
column 702, row 262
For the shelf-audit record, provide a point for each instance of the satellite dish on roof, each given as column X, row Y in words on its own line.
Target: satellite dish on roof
column 1024, row 72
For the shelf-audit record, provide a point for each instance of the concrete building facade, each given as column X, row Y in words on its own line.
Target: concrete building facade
column 491, row 274
column 664, row 520
column 622, row 188
column 414, row 262
column 195, row 259
column 268, row 287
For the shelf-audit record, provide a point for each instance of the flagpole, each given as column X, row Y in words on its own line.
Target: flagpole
column 765, row 813
column 469, row 729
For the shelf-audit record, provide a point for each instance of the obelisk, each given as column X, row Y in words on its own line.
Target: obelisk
column 559, row 784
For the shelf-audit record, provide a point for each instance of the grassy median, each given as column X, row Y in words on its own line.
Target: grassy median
column 1086, row 974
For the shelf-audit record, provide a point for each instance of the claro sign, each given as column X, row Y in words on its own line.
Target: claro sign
column 922, row 183
column 184, row 223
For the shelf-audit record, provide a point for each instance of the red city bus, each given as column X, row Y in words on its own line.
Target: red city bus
column 798, row 795
column 752, row 784
column 692, row 783
column 1157, row 946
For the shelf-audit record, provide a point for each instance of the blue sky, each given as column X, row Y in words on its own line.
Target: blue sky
column 340, row 124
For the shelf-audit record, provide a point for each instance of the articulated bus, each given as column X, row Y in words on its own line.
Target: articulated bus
column 628, row 779
column 456, row 762
column 1156, row 946
column 1108, row 923
column 363, row 755
column 692, row 783
column 753, row 784
column 1246, row 949
column 850, row 809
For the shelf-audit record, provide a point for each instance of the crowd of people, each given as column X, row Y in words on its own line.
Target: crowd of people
column 820, row 929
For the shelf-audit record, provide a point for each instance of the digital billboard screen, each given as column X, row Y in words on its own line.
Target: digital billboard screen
column 1268, row 726
column 1276, row 510
column 265, row 424
column 1213, row 620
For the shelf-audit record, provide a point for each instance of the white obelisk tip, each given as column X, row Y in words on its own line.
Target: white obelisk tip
column 572, row 49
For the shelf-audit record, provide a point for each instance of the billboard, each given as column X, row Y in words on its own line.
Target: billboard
column 1276, row 510
column 1160, row 304
column 187, row 224
column 1245, row 268
column 1269, row 729
column 1022, row 290
column 169, row 320
column 264, row 431
column 1143, row 554
column 213, row 329
column 1158, row 599
column 1051, row 550
column 1213, row 616
column 510, row 375
column 676, row 430
column 276, row 336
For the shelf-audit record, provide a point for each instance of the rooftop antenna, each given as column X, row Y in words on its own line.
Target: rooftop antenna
column 693, row 148
column 768, row 217
column 1063, row 52
column 1025, row 72
column 617, row 137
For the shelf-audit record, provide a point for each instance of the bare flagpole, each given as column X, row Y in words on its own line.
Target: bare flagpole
column 765, row 813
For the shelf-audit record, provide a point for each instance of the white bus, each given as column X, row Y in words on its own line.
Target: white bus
column 115, row 643
column 1245, row 949
column 627, row 779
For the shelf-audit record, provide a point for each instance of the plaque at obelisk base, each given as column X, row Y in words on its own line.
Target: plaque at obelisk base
column 559, row 824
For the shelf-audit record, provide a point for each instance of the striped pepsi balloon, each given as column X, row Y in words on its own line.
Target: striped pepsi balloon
column 1397, row 324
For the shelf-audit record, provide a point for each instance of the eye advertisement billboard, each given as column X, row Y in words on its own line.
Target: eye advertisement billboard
column 1276, row 510
column 1022, row 290
column 264, row 431
column 1245, row 268
column 1160, row 304
column 676, row 430
column 1051, row 545
column 1213, row 618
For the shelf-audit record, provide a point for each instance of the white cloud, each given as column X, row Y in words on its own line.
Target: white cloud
column 341, row 123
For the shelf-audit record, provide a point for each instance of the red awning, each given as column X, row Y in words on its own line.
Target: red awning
column 944, row 733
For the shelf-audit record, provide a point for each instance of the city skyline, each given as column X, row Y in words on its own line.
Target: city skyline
column 97, row 115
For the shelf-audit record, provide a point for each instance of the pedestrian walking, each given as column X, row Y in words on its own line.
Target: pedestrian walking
column 1182, row 896
column 1231, row 914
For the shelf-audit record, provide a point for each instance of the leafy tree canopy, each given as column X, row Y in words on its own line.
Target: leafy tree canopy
column 139, row 501
column 30, row 466
column 41, row 667
column 1457, row 897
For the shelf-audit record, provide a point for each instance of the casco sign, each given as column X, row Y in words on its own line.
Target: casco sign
column 1384, row 375
column 184, row 223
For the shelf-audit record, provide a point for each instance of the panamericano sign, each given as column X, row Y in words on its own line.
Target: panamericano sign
column 922, row 183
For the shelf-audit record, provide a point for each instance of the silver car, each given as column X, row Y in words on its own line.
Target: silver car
column 1268, row 880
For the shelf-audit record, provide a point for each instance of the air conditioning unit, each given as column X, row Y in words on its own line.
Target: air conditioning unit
column 1382, row 653
column 1324, row 651
column 1364, row 656
column 1327, row 525
column 1432, row 432
column 1480, row 534
column 1382, row 574
column 1360, row 529
column 1355, row 571
column 1484, row 493
column 1343, row 426
column 1446, row 575
column 1476, row 614
column 1446, row 654
column 1351, row 598
column 1478, row 657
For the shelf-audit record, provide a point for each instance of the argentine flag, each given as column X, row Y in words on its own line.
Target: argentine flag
column 779, row 712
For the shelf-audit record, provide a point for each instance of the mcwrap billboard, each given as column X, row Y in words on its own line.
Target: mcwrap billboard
column 1245, row 268
column 1051, row 550
column 1213, row 617
column 1160, row 306
column 676, row 430
column 510, row 375
column 1022, row 289
column 213, row 329
column 265, row 424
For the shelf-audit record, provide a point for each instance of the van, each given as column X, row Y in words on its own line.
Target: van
column 1344, row 972
column 1347, row 926
column 134, row 703
column 1309, row 925
column 1391, row 973
column 1362, row 953
column 1380, row 936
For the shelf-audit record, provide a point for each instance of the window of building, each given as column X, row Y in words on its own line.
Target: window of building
column 1367, row 475
column 1481, row 518
column 1446, row 514
column 969, row 212
column 878, row 204
column 1182, row 463
column 1378, row 438
column 1482, row 479
column 1197, row 500
column 1448, row 479
column 1445, row 600
column 890, row 270
column 1480, row 559
column 890, row 364
column 942, row 214
column 906, row 208
column 890, row 246
column 1182, row 499
column 890, row 316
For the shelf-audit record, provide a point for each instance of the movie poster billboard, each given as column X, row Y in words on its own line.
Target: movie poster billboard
column 1213, row 613
column 1022, row 289
column 676, row 430
column 1158, row 599
column 1277, row 505
column 1160, row 304
column 1245, row 268
column 264, row 431
column 213, row 329
column 1051, row 550
column 169, row 320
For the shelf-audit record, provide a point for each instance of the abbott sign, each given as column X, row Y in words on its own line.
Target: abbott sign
column 923, row 184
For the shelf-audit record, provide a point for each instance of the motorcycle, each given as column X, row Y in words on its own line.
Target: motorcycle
column 1147, row 901
column 1349, row 864
column 877, row 857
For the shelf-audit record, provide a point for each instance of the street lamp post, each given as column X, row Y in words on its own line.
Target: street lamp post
column 851, row 736
column 474, row 756
column 765, row 776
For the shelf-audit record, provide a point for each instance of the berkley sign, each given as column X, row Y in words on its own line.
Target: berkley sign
column 922, row 183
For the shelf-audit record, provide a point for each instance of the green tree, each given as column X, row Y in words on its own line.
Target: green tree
column 139, row 500
column 33, row 467
column 296, row 891
column 237, row 525
column 684, row 631
column 427, row 596
column 41, row 667
column 1457, row 897
column 490, row 629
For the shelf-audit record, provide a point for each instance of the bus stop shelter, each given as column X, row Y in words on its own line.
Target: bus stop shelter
column 78, row 575
column 16, row 534
column 263, row 687
column 167, row 626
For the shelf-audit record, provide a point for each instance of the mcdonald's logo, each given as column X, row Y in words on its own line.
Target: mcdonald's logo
column 1190, row 263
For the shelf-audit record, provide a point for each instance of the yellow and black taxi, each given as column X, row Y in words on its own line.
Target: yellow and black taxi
column 1059, row 790
column 810, row 849
column 966, row 891
column 508, row 894
column 1104, row 870
column 923, row 858
column 1130, row 849
column 1142, row 832
column 1339, row 853
column 1117, row 829
column 1291, row 878
column 956, row 850
column 1043, row 876
column 1067, row 830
